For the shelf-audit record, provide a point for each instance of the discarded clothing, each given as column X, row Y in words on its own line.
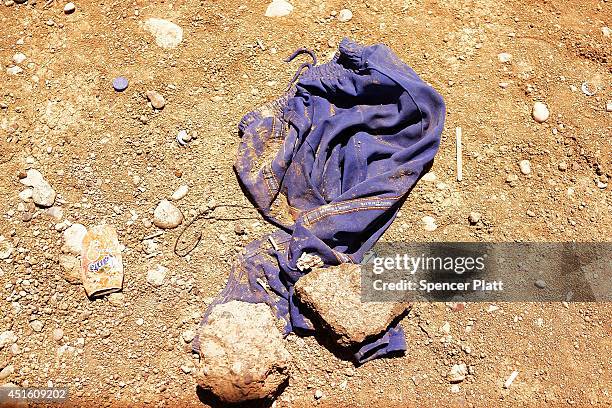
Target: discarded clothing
column 330, row 163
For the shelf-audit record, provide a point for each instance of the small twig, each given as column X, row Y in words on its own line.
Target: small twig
column 48, row 3
column 153, row 235
column 458, row 134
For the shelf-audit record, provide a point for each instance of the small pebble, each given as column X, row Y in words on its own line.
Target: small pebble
column 562, row 166
column 609, row 106
column 525, row 166
column 19, row 58
column 318, row 394
column 180, row 192
column 140, row 321
column 166, row 215
column 120, row 84
column 188, row 336
column 58, row 334
column 156, row 276
column 504, row 57
column 540, row 112
column 156, row 99
column 429, row 223
column 474, row 217
column 345, row 15
column 279, row 8
column 455, row 388
column 69, row 8
column 14, row 70
column 540, row 284
column 457, row 373
column 36, row 325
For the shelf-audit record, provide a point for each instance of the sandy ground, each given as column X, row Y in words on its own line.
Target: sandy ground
column 111, row 158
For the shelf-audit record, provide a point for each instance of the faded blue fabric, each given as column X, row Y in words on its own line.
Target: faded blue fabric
column 330, row 163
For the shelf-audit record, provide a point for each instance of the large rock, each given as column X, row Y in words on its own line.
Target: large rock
column 73, row 238
column 242, row 352
column 42, row 192
column 167, row 34
column 333, row 294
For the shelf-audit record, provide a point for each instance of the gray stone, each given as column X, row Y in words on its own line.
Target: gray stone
column 334, row 295
column 243, row 356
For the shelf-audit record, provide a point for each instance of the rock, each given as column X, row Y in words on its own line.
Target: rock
column 525, row 167
column 14, row 70
column 73, row 238
column 6, row 338
column 345, row 15
column 180, row 192
column 156, row 99
column 318, row 394
column 540, row 112
column 19, row 58
column 58, row 334
column 606, row 31
column 188, row 336
column 457, row 373
column 149, row 246
column 140, row 321
column 474, row 217
column 71, row 267
column 182, row 138
column 6, row 372
column 504, row 57
column 431, row 176
column 455, row 388
column 42, row 192
column 445, row 328
column 242, row 354
column 36, row 325
column 116, row 299
column 540, row 284
column 166, row 33
column 69, row 8
column 609, row 106
column 156, row 276
column 26, row 195
column 167, row 216
column 562, row 166
column 279, row 8
column 120, row 84
column 186, row 369
column 6, row 248
column 333, row 294
column 429, row 223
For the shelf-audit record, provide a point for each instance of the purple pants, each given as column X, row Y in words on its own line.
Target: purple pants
column 330, row 163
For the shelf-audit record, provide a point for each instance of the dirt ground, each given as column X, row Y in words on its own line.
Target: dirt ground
column 111, row 158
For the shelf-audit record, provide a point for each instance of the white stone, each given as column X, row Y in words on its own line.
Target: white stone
column 36, row 325
column 431, row 176
column 345, row 15
column 167, row 34
column 19, row 58
column 457, row 373
column 609, row 106
column 180, row 192
column 58, row 334
column 429, row 223
column 14, row 70
column 504, row 57
column 6, row 248
column 69, row 8
column 606, row 31
column 140, row 321
column 156, row 276
column 188, row 336
column 26, row 195
column 6, row 338
column 6, row 372
column 166, row 215
column 279, row 8
column 73, row 238
column 42, row 194
column 540, row 112
column 525, row 166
